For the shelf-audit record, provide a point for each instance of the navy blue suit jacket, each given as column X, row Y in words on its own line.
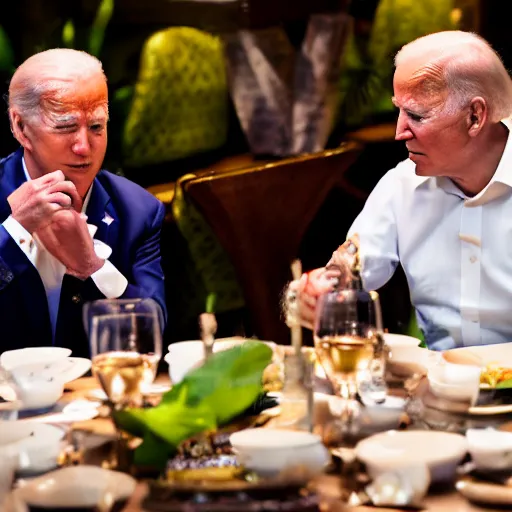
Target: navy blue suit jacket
column 134, row 236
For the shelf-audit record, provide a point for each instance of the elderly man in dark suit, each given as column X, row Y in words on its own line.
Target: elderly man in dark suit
column 70, row 231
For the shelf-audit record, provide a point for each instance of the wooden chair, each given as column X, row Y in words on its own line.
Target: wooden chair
column 260, row 215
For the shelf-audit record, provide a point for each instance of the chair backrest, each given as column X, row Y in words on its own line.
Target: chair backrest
column 260, row 215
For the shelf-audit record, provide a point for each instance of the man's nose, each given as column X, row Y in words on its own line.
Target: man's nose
column 81, row 145
column 403, row 131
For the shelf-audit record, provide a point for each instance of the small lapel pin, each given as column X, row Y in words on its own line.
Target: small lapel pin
column 107, row 219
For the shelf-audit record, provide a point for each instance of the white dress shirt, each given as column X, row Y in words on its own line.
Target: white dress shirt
column 108, row 279
column 456, row 251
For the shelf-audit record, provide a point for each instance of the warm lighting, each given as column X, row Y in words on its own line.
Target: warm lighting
column 118, row 387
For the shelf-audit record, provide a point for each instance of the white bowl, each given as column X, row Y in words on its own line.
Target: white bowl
column 35, row 392
column 183, row 356
column 440, row 451
column 33, row 355
column 38, row 445
column 490, row 449
column 61, row 370
column 454, row 382
column 74, row 486
column 270, row 451
column 406, row 349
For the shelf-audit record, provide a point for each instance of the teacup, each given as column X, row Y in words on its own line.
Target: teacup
column 41, row 357
column 454, row 382
column 490, row 449
column 36, row 445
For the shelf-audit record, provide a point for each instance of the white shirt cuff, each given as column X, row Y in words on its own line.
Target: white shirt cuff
column 110, row 281
column 20, row 235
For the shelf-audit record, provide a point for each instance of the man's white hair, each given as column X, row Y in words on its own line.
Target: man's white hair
column 46, row 73
column 469, row 67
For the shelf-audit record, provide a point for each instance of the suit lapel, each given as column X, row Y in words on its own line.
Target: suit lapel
column 101, row 214
column 12, row 178
column 32, row 292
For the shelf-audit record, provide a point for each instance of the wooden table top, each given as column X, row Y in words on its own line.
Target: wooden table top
column 449, row 501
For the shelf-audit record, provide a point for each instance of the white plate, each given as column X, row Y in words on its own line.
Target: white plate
column 485, row 493
column 78, row 410
column 490, row 410
column 73, row 486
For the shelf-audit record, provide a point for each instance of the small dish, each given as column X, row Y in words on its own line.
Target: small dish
column 75, row 486
column 402, row 347
column 78, row 410
column 484, row 493
column 440, row 451
column 490, row 449
column 271, row 451
column 38, row 445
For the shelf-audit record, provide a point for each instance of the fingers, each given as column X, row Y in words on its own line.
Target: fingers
column 49, row 179
column 60, row 200
column 68, row 188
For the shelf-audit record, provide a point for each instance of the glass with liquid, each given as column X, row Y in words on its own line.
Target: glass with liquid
column 345, row 340
column 126, row 346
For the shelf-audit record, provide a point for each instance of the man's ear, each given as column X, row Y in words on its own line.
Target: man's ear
column 477, row 116
column 18, row 129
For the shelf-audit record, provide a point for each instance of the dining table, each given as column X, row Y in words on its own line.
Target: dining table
column 445, row 499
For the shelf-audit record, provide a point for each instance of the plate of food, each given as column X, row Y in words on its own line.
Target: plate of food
column 495, row 361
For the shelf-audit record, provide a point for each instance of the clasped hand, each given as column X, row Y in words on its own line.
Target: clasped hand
column 50, row 207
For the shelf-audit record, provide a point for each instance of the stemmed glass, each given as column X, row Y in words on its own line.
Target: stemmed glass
column 126, row 345
column 347, row 338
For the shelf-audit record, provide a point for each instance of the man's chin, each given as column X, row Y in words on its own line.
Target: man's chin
column 422, row 170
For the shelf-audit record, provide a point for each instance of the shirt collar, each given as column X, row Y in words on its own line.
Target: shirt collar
column 500, row 182
column 87, row 196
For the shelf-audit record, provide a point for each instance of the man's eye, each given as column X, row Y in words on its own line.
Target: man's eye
column 97, row 127
column 414, row 117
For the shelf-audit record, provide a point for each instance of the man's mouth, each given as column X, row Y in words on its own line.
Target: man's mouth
column 79, row 166
column 414, row 152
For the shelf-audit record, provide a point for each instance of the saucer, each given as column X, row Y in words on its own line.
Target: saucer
column 484, row 493
column 74, row 486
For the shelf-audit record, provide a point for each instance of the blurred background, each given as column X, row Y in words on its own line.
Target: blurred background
column 261, row 124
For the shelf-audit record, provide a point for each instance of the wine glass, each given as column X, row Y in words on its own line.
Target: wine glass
column 126, row 345
column 347, row 337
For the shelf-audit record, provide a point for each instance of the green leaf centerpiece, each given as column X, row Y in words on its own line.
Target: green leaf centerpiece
column 207, row 398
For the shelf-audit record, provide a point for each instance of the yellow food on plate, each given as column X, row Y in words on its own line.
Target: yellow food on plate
column 493, row 374
column 209, row 473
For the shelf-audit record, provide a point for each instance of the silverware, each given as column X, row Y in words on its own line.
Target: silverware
column 207, row 328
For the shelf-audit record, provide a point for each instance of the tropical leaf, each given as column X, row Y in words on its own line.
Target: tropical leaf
column 208, row 397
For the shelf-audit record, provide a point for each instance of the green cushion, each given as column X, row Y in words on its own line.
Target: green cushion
column 180, row 102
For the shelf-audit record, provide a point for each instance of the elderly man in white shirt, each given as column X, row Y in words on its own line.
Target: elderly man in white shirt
column 445, row 213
